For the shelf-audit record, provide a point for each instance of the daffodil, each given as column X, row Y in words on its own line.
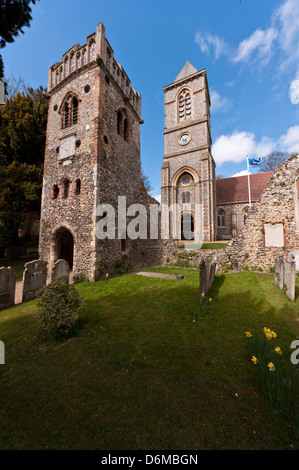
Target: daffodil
column 254, row 360
column 271, row 367
column 248, row 334
column 210, row 300
column 278, row 350
column 193, row 321
column 202, row 294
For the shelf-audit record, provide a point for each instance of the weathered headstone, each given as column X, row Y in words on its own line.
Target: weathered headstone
column 279, row 271
column 7, row 287
column 212, row 273
column 207, row 268
column 202, row 278
column 34, row 278
column 290, row 276
column 60, row 271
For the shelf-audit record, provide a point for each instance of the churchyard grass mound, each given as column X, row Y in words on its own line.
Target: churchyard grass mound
column 137, row 372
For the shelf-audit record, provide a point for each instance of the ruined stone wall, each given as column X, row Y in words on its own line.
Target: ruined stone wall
column 276, row 206
column 234, row 220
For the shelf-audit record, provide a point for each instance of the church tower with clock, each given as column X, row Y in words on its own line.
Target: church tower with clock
column 188, row 185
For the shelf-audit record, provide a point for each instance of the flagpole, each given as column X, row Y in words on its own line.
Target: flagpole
column 249, row 193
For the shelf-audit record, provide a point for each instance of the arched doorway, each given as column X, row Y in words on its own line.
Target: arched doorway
column 187, row 227
column 64, row 246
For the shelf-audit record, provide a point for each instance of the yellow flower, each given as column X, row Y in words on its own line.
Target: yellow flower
column 210, row 300
column 271, row 367
column 193, row 321
column 269, row 334
column 203, row 294
column 254, row 360
column 278, row 350
column 248, row 334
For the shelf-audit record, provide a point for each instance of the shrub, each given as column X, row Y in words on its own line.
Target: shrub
column 58, row 304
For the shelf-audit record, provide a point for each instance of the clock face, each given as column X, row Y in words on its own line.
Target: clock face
column 185, row 139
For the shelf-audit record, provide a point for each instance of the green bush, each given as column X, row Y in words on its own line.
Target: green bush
column 58, row 304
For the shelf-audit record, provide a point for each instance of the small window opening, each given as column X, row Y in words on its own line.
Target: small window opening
column 55, row 191
column 78, row 187
column 66, row 189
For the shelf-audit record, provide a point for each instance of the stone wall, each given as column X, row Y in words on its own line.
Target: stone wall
column 277, row 205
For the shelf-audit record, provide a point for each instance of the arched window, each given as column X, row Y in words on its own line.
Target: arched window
column 221, row 218
column 184, row 105
column 70, row 111
column 66, row 115
column 186, row 179
column 183, row 198
column 66, row 188
column 119, row 122
column 245, row 214
column 75, row 105
column 122, row 124
column 188, row 197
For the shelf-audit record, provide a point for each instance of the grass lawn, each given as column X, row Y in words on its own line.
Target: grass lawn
column 137, row 373
column 18, row 265
column 213, row 246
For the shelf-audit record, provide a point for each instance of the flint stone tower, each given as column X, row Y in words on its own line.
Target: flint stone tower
column 188, row 170
column 92, row 156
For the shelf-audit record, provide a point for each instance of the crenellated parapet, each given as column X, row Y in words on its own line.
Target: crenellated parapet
column 96, row 51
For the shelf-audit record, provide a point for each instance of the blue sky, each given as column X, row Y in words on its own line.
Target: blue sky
column 249, row 49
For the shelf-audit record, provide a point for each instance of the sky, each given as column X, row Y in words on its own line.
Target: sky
column 249, row 49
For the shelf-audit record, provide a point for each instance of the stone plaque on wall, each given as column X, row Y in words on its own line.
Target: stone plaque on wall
column 67, row 147
column 274, row 235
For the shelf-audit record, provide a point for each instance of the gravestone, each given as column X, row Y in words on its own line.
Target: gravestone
column 290, row 276
column 34, row 278
column 60, row 271
column 212, row 273
column 279, row 271
column 7, row 287
column 202, row 278
column 207, row 268
column 206, row 276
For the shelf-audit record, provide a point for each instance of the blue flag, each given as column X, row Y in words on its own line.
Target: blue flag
column 254, row 161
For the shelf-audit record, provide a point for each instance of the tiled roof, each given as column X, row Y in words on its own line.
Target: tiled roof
column 186, row 71
column 235, row 189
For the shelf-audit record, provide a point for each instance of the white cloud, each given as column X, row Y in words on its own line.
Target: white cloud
column 210, row 42
column 219, row 103
column 294, row 92
column 242, row 173
column 287, row 18
column 260, row 42
column 290, row 141
column 237, row 146
column 158, row 198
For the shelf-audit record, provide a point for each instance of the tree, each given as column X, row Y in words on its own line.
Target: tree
column 146, row 182
column 271, row 161
column 14, row 15
column 23, row 120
